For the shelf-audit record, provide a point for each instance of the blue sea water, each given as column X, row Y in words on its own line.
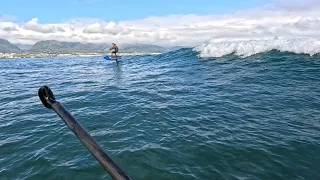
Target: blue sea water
column 168, row 116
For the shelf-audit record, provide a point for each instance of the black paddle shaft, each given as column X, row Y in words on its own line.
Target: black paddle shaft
column 48, row 100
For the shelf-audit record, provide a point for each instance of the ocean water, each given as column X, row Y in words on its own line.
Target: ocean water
column 187, row 114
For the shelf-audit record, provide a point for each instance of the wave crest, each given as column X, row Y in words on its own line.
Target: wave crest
column 245, row 48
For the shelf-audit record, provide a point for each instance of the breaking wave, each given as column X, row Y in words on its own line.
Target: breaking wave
column 245, row 48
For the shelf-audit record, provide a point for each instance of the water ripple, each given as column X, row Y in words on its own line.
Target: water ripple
column 168, row 116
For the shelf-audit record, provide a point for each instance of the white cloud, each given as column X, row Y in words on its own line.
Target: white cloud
column 103, row 28
column 33, row 25
column 8, row 26
column 297, row 5
column 279, row 19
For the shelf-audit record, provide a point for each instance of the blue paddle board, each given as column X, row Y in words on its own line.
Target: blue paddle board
column 112, row 57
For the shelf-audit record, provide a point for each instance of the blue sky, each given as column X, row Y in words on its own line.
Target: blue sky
column 37, row 20
column 55, row 11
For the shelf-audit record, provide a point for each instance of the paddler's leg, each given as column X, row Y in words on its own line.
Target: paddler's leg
column 112, row 52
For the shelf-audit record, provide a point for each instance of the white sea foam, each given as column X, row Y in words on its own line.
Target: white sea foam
column 245, row 48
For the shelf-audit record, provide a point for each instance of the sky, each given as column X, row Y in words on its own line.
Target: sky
column 165, row 22
column 54, row 11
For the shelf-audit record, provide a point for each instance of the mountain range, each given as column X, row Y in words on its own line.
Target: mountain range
column 7, row 47
column 53, row 46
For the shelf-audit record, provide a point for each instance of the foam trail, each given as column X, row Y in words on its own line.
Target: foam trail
column 245, row 48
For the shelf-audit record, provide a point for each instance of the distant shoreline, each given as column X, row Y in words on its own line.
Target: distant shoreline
column 50, row 55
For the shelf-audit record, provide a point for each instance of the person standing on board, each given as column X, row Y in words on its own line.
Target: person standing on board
column 114, row 49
